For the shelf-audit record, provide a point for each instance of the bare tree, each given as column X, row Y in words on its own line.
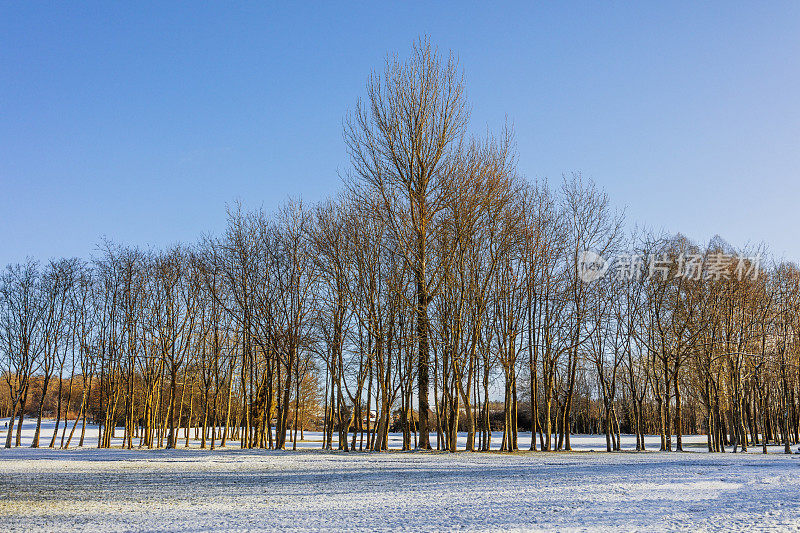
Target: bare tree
column 401, row 144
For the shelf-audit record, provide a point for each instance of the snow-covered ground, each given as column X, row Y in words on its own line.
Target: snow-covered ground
column 233, row 489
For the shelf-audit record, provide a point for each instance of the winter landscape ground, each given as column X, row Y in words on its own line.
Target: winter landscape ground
column 232, row 489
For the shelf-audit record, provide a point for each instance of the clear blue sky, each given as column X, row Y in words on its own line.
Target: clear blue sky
column 141, row 122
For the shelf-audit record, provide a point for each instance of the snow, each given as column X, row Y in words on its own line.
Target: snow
column 232, row 489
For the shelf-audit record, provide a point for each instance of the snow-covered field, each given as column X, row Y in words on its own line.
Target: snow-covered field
column 232, row 489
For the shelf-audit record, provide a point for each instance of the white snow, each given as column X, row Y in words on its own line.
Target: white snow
column 231, row 489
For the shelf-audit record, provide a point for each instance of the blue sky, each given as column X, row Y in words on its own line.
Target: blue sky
column 140, row 122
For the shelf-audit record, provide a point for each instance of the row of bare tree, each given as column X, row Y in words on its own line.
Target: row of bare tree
column 436, row 271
